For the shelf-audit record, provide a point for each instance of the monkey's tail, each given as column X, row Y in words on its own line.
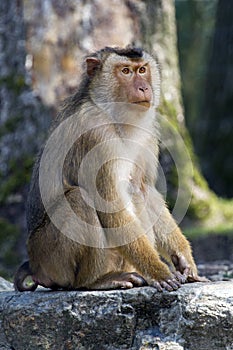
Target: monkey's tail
column 23, row 281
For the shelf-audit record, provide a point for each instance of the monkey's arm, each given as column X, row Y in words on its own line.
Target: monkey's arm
column 174, row 247
column 168, row 238
column 147, row 261
column 123, row 228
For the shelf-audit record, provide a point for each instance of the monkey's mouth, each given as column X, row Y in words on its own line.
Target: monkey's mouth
column 145, row 104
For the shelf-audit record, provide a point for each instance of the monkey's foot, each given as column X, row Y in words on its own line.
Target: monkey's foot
column 127, row 280
column 120, row 280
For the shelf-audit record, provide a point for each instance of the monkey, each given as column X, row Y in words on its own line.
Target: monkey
column 95, row 219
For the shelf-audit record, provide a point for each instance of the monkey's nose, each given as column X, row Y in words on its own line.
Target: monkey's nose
column 143, row 89
column 144, row 93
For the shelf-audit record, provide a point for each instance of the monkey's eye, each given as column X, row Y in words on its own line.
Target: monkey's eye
column 125, row 70
column 142, row 70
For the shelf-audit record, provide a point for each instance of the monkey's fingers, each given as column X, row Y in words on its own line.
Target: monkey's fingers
column 181, row 264
column 182, row 278
column 157, row 285
column 169, row 285
column 189, row 276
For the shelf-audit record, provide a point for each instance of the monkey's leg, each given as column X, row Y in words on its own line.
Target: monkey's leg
column 57, row 260
column 51, row 257
column 109, row 268
column 62, row 261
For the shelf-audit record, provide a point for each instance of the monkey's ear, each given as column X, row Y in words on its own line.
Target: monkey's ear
column 93, row 64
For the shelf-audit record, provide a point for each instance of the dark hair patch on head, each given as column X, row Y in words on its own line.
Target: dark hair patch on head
column 130, row 52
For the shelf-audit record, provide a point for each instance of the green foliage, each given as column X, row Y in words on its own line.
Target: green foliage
column 201, row 231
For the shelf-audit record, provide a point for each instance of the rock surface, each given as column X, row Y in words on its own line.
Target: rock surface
column 197, row 316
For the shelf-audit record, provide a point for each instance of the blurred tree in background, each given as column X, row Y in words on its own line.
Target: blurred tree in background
column 205, row 35
column 216, row 128
column 42, row 43
column 195, row 29
column 23, row 121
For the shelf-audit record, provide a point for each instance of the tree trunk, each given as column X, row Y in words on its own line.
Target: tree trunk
column 22, row 123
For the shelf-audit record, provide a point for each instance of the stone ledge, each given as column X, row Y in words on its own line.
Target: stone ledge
column 197, row 316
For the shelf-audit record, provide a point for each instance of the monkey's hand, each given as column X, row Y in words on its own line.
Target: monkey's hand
column 187, row 272
column 164, row 279
column 168, row 284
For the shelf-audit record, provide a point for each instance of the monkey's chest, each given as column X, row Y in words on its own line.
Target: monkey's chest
column 137, row 191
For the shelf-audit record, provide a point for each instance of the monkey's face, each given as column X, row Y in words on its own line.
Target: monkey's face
column 134, row 83
column 117, row 79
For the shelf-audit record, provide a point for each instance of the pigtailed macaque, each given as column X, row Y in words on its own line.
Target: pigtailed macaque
column 94, row 217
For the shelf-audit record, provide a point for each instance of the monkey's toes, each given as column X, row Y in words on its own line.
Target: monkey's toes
column 123, row 285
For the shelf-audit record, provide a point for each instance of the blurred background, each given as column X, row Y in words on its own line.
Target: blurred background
column 42, row 44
